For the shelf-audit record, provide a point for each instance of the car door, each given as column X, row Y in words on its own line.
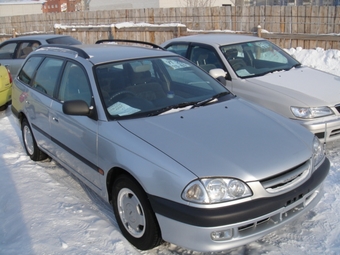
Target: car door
column 13, row 53
column 40, row 75
column 75, row 137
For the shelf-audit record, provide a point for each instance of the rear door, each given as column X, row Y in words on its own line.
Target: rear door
column 41, row 76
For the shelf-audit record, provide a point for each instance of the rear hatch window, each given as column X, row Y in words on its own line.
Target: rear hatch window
column 64, row 40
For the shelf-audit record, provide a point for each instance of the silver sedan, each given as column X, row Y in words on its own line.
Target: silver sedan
column 263, row 73
column 13, row 51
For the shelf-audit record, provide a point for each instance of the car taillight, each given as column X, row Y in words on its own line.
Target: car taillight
column 10, row 76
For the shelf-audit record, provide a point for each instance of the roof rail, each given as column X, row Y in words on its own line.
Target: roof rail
column 130, row 41
column 81, row 52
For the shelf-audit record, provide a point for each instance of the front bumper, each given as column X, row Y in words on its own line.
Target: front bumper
column 193, row 227
column 327, row 129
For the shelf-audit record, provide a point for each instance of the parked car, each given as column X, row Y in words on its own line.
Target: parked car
column 179, row 157
column 5, row 88
column 265, row 74
column 14, row 51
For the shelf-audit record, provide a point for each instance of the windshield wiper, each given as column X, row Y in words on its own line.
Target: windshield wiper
column 294, row 66
column 171, row 107
column 281, row 69
column 210, row 100
column 273, row 71
column 188, row 105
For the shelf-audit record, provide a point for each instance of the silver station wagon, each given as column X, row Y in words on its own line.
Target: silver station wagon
column 265, row 74
column 180, row 158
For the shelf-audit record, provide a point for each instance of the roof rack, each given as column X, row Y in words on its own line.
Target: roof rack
column 130, row 41
column 80, row 52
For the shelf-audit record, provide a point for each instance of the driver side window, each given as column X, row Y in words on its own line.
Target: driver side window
column 75, row 84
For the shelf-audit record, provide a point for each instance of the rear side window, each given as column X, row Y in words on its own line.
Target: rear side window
column 180, row 49
column 26, row 48
column 205, row 58
column 7, row 51
column 47, row 75
column 28, row 70
column 68, row 40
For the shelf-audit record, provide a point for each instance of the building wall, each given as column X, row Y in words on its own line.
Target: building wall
column 196, row 3
column 62, row 6
column 20, row 8
column 53, row 5
column 96, row 5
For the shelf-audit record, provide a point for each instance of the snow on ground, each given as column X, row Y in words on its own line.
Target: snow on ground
column 325, row 60
column 45, row 210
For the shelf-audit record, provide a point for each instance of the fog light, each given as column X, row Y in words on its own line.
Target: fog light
column 222, row 235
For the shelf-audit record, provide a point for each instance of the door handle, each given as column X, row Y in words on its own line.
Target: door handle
column 55, row 119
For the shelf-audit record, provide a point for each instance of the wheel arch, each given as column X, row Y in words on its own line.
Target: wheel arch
column 21, row 116
column 112, row 175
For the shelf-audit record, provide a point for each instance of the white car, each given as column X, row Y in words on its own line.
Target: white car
column 265, row 74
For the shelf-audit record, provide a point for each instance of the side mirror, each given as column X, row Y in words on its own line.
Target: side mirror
column 219, row 74
column 76, row 107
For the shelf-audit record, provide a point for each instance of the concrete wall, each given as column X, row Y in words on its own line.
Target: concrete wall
column 186, row 3
column 20, row 8
column 96, row 5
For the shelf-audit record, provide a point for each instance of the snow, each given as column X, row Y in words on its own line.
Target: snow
column 45, row 210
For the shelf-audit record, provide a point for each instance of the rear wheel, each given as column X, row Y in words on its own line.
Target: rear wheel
column 134, row 214
column 3, row 107
column 30, row 144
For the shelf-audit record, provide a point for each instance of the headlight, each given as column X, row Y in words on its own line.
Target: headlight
column 209, row 191
column 311, row 112
column 318, row 152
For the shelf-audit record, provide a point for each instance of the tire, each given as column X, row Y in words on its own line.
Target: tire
column 30, row 144
column 134, row 214
column 3, row 107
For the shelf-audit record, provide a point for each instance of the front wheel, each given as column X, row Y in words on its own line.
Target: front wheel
column 134, row 214
column 30, row 144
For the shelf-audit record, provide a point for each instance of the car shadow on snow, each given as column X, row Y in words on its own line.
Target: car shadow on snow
column 14, row 234
column 85, row 203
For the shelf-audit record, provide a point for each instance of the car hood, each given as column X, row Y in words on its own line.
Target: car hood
column 306, row 85
column 233, row 138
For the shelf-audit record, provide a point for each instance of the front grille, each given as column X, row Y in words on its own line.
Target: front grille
column 253, row 225
column 294, row 199
column 335, row 132
column 271, row 221
column 289, row 178
column 320, row 135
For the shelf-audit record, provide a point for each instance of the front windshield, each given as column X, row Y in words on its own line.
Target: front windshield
column 148, row 87
column 257, row 58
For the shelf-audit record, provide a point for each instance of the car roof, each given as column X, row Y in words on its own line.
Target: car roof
column 36, row 37
column 102, row 53
column 218, row 39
